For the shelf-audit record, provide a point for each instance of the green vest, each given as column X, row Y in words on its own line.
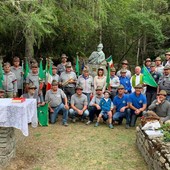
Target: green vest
column 134, row 80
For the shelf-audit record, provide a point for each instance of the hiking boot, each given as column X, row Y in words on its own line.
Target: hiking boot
column 97, row 124
column 74, row 120
column 127, row 126
column 111, row 126
column 65, row 124
column 88, row 123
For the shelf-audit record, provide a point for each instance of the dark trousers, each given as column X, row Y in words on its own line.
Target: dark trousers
column 134, row 117
column 93, row 111
column 151, row 96
column 69, row 91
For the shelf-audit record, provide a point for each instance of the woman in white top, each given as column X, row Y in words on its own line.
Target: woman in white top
column 100, row 79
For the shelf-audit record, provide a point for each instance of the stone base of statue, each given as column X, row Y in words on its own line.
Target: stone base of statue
column 94, row 67
column 7, row 145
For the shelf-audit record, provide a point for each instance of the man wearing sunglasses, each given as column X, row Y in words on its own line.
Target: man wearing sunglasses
column 125, row 67
column 161, row 107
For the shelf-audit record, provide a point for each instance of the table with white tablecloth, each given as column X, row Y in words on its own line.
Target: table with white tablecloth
column 18, row 115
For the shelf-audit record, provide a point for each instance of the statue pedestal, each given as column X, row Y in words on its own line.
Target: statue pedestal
column 7, row 145
column 94, row 67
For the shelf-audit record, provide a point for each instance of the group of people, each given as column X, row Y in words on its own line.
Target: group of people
column 86, row 97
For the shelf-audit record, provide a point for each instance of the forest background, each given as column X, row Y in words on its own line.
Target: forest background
column 128, row 29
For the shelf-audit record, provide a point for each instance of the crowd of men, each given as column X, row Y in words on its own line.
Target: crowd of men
column 85, row 97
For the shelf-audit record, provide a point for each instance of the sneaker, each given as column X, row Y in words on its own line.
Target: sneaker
column 65, row 124
column 127, row 126
column 111, row 126
column 74, row 120
column 97, row 124
column 88, row 123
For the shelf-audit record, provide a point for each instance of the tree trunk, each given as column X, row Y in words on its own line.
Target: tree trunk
column 29, row 44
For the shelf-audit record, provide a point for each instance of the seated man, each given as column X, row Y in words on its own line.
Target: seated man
column 33, row 94
column 78, row 105
column 137, row 104
column 120, row 103
column 106, row 106
column 161, row 107
column 54, row 97
column 94, row 104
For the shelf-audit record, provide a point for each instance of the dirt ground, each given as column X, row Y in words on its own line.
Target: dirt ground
column 76, row 147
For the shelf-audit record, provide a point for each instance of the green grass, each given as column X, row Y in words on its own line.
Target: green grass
column 78, row 147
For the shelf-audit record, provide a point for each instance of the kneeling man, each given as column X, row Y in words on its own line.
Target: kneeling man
column 79, row 105
column 120, row 103
column 54, row 97
column 161, row 107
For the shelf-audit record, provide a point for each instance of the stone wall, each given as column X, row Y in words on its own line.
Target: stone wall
column 155, row 152
column 7, row 145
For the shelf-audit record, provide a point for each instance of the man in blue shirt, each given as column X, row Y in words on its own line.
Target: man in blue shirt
column 125, row 81
column 137, row 104
column 120, row 103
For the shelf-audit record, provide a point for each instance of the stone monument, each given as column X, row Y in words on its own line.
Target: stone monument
column 97, row 59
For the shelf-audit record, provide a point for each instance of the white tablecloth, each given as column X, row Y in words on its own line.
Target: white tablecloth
column 18, row 115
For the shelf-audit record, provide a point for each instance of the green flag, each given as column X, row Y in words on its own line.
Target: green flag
column 108, row 76
column 77, row 66
column 148, row 79
column 1, row 76
column 27, row 70
column 41, row 72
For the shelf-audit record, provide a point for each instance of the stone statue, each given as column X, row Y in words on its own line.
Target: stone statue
column 97, row 57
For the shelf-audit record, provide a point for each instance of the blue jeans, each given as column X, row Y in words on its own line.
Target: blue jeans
column 74, row 114
column 54, row 115
column 118, row 116
column 134, row 117
column 88, row 97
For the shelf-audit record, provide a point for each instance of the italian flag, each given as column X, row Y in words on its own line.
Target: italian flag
column 110, row 61
column 49, row 77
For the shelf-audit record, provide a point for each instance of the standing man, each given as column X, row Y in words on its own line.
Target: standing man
column 17, row 70
column 120, row 103
column 114, row 83
column 94, row 104
column 137, row 78
column 10, row 82
column 159, row 66
column 124, row 66
column 33, row 76
column 167, row 57
column 55, row 76
column 54, row 97
column 164, row 82
column 137, row 104
column 68, row 81
column 78, row 105
column 61, row 67
column 86, row 82
column 125, row 81
column 161, row 107
column 152, row 91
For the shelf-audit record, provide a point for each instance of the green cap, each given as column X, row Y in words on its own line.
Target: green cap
column 139, row 86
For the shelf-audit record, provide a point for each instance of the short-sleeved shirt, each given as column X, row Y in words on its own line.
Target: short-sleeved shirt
column 86, row 83
column 65, row 76
column 164, row 83
column 125, row 81
column 160, row 69
column 55, row 98
column 61, row 68
column 55, row 77
column 96, row 100
column 33, row 78
column 79, row 101
column 18, row 74
column 120, row 102
column 137, row 101
column 114, row 81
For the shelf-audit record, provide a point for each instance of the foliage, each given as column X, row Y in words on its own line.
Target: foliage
column 166, row 131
